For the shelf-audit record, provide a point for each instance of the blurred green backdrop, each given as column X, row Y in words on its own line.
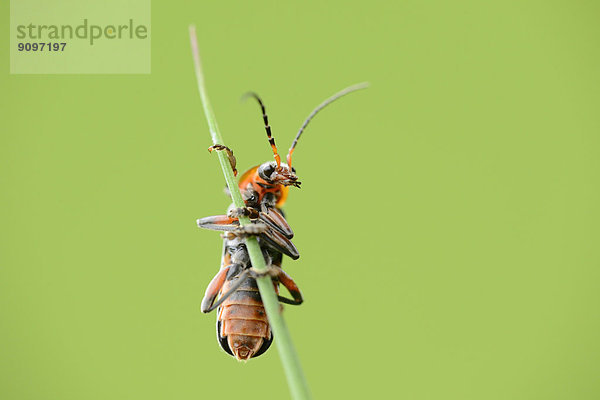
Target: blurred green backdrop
column 448, row 221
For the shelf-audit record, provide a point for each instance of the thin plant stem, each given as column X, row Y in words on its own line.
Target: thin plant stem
column 289, row 358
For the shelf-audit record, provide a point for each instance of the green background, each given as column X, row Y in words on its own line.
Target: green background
column 448, row 220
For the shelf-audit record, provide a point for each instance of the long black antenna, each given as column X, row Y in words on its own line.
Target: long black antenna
column 267, row 126
column 321, row 106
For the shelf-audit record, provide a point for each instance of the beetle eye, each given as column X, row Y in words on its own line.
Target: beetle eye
column 266, row 170
column 249, row 196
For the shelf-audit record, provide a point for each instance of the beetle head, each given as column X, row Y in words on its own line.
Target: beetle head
column 278, row 175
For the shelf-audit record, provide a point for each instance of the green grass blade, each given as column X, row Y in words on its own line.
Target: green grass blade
column 289, row 358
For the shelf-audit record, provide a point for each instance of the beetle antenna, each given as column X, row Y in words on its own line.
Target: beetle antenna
column 321, row 106
column 267, row 126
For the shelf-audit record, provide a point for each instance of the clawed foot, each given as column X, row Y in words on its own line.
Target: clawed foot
column 230, row 155
column 243, row 212
column 270, row 270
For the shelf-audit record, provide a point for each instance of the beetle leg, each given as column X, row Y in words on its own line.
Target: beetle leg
column 230, row 155
column 284, row 279
column 218, row 223
column 249, row 212
column 207, row 303
column 268, row 271
column 268, row 233
column 213, row 289
column 291, row 286
column 245, row 231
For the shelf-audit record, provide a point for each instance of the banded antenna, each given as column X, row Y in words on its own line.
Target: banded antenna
column 267, row 126
column 321, row 106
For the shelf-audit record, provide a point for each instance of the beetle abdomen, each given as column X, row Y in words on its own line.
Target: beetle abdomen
column 243, row 329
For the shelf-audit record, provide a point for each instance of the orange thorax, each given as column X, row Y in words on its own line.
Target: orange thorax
column 262, row 187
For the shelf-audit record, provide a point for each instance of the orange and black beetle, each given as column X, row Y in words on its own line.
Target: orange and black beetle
column 242, row 326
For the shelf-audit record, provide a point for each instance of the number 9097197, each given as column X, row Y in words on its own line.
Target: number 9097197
column 42, row 46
